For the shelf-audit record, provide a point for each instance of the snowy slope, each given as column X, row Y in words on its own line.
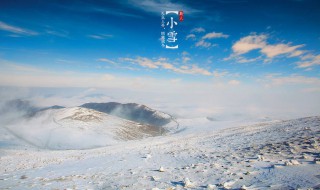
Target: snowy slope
column 273, row 155
column 78, row 128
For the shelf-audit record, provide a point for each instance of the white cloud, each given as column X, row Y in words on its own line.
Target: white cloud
column 100, row 36
column 196, row 70
column 249, row 43
column 241, row 59
column 245, row 60
column 214, row 35
column 306, row 57
column 203, row 43
column 296, row 53
column 279, row 49
column 252, row 42
column 144, row 62
column 17, row 30
column 107, row 61
column 191, row 36
column 259, row 42
column 164, row 64
column 198, row 30
column 309, row 61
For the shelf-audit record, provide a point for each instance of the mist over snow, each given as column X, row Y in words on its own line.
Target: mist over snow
column 185, row 100
column 207, row 107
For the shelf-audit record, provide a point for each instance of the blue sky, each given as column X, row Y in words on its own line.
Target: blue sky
column 238, row 53
column 236, row 40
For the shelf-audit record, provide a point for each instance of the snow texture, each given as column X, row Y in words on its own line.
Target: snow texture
column 202, row 154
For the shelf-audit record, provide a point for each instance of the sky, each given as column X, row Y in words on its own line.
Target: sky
column 239, row 53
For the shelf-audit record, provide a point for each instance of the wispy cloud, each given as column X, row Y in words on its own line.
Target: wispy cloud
column 203, row 41
column 309, row 61
column 163, row 63
column 191, row 36
column 279, row 49
column 107, row 61
column 252, row 42
column 242, row 59
column 198, row 30
column 100, row 36
column 65, row 61
column 15, row 29
column 271, row 51
column 212, row 35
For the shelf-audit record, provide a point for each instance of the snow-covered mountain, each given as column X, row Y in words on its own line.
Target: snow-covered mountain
column 89, row 126
column 132, row 111
column 78, row 128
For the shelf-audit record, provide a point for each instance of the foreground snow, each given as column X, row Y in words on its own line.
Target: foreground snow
column 274, row 155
